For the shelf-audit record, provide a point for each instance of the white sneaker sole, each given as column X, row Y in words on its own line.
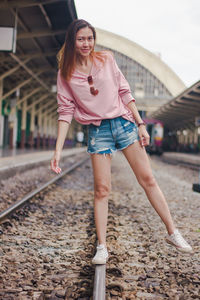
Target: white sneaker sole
column 183, row 250
column 99, row 261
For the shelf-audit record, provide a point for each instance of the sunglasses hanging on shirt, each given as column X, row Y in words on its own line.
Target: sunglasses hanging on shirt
column 93, row 91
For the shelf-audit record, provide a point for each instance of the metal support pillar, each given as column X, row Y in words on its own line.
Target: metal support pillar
column 44, row 131
column 23, row 125
column 12, row 118
column 11, row 125
column 32, row 127
column 39, row 128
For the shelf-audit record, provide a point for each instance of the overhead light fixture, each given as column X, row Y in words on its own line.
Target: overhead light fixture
column 8, row 39
column 8, row 36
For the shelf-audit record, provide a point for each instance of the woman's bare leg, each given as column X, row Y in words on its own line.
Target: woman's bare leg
column 102, row 185
column 139, row 162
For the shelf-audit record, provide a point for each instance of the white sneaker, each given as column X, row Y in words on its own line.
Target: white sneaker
column 178, row 241
column 101, row 255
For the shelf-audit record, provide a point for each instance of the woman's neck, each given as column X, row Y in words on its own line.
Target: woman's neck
column 83, row 61
column 84, row 65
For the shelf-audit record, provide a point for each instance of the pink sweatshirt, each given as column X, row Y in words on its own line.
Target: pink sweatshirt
column 75, row 100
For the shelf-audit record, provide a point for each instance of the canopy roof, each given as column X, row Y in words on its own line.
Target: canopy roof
column 182, row 111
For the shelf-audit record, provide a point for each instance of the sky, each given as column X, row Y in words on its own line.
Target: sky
column 168, row 28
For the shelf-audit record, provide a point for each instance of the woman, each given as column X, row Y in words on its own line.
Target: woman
column 92, row 89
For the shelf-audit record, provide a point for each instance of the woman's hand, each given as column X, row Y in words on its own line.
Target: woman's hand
column 144, row 136
column 55, row 162
column 62, row 131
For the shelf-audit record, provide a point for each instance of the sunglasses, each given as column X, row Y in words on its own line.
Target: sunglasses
column 93, row 91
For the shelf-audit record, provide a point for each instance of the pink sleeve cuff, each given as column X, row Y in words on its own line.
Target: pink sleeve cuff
column 65, row 118
column 127, row 98
column 65, row 108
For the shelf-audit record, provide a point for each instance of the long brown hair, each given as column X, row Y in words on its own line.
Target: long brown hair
column 67, row 54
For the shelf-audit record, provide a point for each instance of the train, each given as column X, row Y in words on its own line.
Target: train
column 155, row 129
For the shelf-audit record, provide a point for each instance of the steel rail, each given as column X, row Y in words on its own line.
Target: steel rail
column 4, row 214
column 99, row 291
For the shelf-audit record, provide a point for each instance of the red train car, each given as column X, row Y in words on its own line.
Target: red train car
column 156, row 131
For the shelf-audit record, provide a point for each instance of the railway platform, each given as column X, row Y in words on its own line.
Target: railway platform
column 185, row 158
column 19, row 160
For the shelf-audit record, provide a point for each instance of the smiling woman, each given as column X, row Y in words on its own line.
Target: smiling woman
column 84, row 41
column 84, row 47
column 79, row 44
column 92, row 89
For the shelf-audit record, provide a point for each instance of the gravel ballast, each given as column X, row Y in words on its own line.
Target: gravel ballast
column 46, row 248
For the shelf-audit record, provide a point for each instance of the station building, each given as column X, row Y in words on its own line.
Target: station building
column 28, row 103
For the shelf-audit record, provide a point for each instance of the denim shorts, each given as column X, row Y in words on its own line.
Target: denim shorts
column 112, row 135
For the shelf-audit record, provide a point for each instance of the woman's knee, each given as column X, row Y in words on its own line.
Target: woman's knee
column 102, row 190
column 147, row 180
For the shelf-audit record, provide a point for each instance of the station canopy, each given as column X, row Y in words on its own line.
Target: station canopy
column 183, row 111
column 41, row 28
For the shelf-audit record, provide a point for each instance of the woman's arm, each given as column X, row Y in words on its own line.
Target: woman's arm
column 143, row 134
column 63, row 128
column 131, row 105
column 66, row 107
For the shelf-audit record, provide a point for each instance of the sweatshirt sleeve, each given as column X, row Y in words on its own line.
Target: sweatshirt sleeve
column 124, row 88
column 65, row 100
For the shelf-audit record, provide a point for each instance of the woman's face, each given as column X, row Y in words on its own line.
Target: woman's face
column 84, row 41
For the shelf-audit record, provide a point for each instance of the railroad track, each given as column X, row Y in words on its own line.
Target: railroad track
column 9, row 211
column 100, row 270
column 55, row 242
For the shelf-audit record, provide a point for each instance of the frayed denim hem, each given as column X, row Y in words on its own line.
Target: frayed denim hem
column 103, row 152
